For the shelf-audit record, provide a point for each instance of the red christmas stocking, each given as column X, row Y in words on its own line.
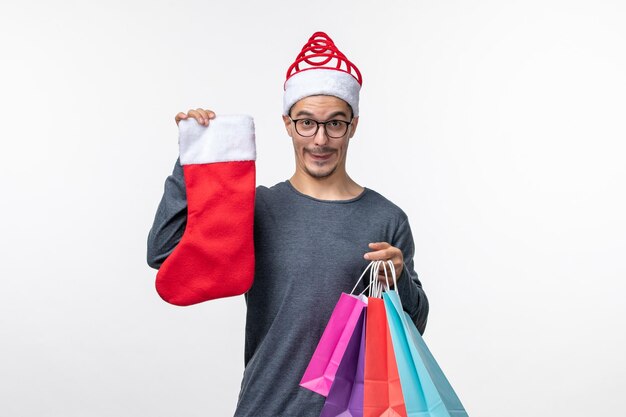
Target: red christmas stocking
column 215, row 257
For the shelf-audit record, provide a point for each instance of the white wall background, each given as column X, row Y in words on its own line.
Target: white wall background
column 498, row 126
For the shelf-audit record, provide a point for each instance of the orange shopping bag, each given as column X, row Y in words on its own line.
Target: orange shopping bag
column 382, row 390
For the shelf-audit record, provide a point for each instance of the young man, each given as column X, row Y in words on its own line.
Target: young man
column 313, row 235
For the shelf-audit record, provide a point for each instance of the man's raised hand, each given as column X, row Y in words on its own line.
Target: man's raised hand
column 202, row 116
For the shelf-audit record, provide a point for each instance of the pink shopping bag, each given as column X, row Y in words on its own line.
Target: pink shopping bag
column 320, row 373
column 346, row 394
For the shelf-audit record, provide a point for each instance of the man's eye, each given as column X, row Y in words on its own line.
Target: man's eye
column 307, row 122
column 334, row 123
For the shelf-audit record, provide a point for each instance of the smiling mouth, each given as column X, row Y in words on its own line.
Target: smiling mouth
column 320, row 157
column 320, row 152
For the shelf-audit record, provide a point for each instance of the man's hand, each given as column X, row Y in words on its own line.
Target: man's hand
column 202, row 116
column 383, row 251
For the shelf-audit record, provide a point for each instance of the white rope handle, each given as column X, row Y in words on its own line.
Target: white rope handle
column 374, row 282
column 376, row 287
column 361, row 277
column 393, row 275
column 372, row 285
column 380, row 287
column 386, row 276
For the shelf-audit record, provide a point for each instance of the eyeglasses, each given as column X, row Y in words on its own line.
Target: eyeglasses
column 334, row 129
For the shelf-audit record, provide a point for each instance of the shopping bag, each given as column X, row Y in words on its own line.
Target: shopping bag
column 443, row 387
column 382, row 394
column 412, row 391
column 320, row 373
column 346, row 393
column 426, row 390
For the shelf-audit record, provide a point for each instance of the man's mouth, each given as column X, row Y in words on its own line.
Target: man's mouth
column 320, row 156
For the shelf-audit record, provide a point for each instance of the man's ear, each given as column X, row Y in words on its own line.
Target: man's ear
column 355, row 122
column 287, row 122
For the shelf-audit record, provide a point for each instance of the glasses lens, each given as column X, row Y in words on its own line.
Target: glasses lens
column 336, row 128
column 306, row 127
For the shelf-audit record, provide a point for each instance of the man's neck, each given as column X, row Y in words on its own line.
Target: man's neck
column 338, row 186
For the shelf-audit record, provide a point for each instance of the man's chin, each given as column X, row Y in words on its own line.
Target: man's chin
column 321, row 173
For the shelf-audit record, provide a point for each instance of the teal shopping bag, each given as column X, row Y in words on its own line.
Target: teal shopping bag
column 412, row 390
column 427, row 392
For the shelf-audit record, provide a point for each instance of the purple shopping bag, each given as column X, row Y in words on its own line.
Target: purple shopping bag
column 320, row 373
column 346, row 394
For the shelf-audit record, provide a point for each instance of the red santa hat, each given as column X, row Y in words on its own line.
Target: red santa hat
column 321, row 69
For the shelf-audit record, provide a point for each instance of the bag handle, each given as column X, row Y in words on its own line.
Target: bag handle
column 393, row 275
column 376, row 287
column 361, row 277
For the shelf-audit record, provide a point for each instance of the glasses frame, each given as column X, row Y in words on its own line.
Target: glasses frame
column 295, row 126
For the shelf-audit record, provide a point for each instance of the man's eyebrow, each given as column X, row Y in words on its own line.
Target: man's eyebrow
column 330, row 117
column 337, row 113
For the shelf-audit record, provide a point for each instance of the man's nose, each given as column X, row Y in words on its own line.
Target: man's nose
column 320, row 136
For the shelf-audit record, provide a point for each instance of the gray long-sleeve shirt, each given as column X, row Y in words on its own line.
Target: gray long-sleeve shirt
column 307, row 252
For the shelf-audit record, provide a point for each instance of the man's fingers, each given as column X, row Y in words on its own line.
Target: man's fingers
column 379, row 245
column 205, row 116
column 196, row 115
column 382, row 251
column 202, row 116
column 379, row 255
column 180, row 116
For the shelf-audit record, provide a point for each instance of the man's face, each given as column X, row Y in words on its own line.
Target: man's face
column 320, row 156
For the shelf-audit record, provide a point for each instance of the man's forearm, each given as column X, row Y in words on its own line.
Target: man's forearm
column 413, row 297
column 170, row 219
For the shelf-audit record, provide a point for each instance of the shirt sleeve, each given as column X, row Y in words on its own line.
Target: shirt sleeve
column 170, row 219
column 413, row 297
